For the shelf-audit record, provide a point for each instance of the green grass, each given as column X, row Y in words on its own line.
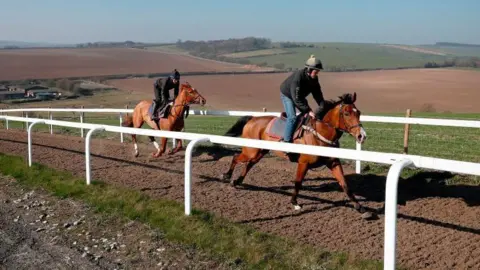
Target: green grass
column 167, row 49
column 239, row 245
column 256, row 53
column 455, row 50
column 351, row 55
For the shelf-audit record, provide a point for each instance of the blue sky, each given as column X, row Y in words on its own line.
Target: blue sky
column 383, row 21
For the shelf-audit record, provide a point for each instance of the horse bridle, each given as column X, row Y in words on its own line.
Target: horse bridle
column 184, row 104
column 342, row 117
column 323, row 139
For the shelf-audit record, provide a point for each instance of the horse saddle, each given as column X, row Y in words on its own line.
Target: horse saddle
column 161, row 112
column 276, row 126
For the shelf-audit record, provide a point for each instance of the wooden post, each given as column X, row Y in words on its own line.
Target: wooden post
column 264, row 109
column 406, row 134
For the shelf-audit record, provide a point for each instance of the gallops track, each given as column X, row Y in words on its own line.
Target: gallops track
column 438, row 226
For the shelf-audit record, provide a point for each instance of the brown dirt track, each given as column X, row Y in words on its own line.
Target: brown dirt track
column 378, row 91
column 53, row 63
column 438, row 226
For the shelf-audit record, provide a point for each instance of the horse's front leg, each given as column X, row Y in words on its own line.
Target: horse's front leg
column 337, row 171
column 178, row 142
column 336, row 167
column 302, row 169
column 178, row 147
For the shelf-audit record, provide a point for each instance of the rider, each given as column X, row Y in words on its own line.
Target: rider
column 162, row 91
column 295, row 89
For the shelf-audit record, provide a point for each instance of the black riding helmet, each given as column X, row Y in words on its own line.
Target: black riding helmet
column 313, row 63
column 175, row 75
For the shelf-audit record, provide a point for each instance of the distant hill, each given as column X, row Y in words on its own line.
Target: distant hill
column 23, row 44
column 453, row 44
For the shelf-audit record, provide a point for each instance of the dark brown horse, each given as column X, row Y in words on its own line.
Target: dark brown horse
column 174, row 122
column 325, row 130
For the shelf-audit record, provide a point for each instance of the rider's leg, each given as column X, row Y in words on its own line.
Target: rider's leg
column 291, row 117
column 157, row 102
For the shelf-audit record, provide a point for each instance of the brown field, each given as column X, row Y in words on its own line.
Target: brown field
column 52, row 63
column 378, row 91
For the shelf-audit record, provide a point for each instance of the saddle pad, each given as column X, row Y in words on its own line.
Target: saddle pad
column 276, row 127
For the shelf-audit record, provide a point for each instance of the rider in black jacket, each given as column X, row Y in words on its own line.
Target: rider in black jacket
column 294, row 91
column 162, row 91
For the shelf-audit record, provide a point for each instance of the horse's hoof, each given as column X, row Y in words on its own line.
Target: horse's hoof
column 135, row 154
column 297, row 207
column 225, row 177
column 156, row 155
column 234, row 184
column 359, row 208
column 368, row 215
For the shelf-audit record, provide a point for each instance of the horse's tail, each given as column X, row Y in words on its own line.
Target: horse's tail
column 237, row 129
column 127, row 121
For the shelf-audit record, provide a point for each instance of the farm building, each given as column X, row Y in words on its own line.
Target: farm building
column 27, row 91
column 6, row 95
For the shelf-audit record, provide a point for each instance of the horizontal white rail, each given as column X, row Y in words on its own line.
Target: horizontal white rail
column 399, row 160
column 369, row 156
column 364, row 118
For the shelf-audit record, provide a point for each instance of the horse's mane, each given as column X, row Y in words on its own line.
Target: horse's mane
column 346, row 98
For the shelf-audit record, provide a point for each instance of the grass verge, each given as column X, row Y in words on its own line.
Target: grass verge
column 240, row 245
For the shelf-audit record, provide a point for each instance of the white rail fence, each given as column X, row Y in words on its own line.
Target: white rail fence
column 363, row 118
column 398, row 162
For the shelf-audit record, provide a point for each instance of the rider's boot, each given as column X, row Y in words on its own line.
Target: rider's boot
column 154, row 112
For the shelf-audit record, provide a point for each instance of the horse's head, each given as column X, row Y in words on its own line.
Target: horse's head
column 343, row 115
column 191, row 95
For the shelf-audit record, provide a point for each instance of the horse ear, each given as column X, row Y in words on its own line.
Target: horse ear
column 354, row 97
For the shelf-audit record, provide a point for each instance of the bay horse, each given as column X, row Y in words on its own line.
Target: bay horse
column 325, row 130
column 174, row 121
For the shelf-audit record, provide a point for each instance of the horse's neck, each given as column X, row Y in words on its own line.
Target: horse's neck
column 328, row 119
column 178, row 106
column 328, row 129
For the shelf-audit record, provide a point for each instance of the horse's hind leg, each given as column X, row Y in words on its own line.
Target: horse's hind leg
column 302, row 169
column 134, row 139
column 152, row 140
column 248, row 166
column 137, row 123
column 226, row 176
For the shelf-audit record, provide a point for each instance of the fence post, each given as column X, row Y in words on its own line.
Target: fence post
column 6, row 121
column 25, row 115
column 406, row 133
column 188, row 173
column 29, row 133
column 87, row 152
column 391, row 212
column 82, row 114
column 50, row 115
column 264, row 109
column 358, row 163
column 121, row 133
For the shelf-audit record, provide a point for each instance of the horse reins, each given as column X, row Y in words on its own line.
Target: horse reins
column 325, row 140
column 184, row 104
